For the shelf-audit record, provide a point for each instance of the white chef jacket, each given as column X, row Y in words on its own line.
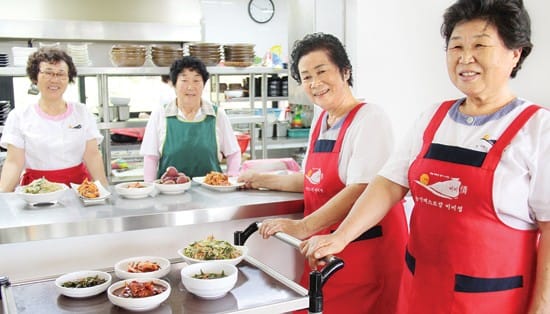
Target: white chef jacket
column 521, row 185
column 50, row 142
column 367, row 144
column 155, row 132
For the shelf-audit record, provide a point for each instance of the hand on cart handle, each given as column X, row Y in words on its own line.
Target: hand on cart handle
column 240, row 238
column 293, row 227
column 318, row 249
column 299, row 244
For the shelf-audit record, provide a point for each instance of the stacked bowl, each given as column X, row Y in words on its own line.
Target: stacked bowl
column 4, row 110
column 79, row 53
column 128, row 55
column 21, row 55
column 4, row 60
column 209, row 53
column 165, row 55
column 238, row 55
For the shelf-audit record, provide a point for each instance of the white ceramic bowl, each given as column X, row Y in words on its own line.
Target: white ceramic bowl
column 121, row 268
column 51, row 197
column 139, row 304
column 234, row 93
column 131, row 192
column 172, row 188
column 232, row 261
column 82, row 292
column 119, row 101
column 209, row 288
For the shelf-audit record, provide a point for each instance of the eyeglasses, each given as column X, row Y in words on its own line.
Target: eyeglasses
column 62, row 76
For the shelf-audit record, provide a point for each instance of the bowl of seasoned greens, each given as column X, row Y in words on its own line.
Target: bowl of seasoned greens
column 41, row 191
column 209, row 280
column 213, row 250
column 83, row 284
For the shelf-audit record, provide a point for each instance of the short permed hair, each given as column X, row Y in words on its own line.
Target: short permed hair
column 51, row 56
column 191, row 63
column 320, row 41
column 508, row 16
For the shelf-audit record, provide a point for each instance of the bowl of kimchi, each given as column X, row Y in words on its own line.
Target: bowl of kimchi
column 142, row 267
column 139, row 294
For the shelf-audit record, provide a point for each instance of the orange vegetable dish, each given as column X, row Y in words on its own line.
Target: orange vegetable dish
column 88, row 189
column 217, row 178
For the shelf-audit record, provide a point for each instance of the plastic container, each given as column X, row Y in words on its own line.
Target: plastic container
column 298, row 133
column 123, row 112
column 244, row 140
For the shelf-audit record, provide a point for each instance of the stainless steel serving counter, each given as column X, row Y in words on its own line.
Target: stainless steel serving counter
column 20, row 222
column 259, row 289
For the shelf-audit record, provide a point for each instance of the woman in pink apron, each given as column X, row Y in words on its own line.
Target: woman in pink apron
column 54, row 139
column 477, row 170
column 348, row 144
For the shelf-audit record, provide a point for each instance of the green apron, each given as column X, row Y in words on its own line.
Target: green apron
column 191, row 147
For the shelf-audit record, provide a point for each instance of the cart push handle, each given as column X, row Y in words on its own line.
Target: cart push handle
column 8, row 303
column 317, row 279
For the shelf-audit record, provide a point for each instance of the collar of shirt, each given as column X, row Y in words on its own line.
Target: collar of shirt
column 206, row 108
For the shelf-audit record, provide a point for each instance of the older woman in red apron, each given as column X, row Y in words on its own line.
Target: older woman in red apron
column 54, row 138
column 477, row 169
column 348, row 144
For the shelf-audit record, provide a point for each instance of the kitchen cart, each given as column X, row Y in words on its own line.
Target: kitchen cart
column 259, row 289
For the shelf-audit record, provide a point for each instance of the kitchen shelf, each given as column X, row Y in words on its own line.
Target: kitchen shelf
column 103, row 73
column 285, row 143
column 251, row 73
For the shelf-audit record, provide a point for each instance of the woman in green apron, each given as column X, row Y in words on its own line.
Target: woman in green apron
column 189, row 133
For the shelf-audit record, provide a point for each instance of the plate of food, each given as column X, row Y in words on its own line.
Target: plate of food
column 139, row 294
column 173, row 182
column 212, row 250
column 135, row 190
column 142, row 267
column 41, row 191
column 90, row 191
column 83, row 284
column 218, row 181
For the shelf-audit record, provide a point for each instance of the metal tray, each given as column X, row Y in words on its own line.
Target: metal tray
column 259, row 289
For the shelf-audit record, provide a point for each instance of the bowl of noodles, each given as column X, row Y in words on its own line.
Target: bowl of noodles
column 41, row 191
column 213, row 250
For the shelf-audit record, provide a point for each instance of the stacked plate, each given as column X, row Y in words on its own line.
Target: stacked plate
column 21, row 55
column 164, row 55
column 4, row 60
column 79, row 53
column 238, row 55
column 209, row 53
column 4, row 110
column 128, row 55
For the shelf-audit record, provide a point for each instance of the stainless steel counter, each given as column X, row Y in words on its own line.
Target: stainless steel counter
column 259, row 289
column 20, row 222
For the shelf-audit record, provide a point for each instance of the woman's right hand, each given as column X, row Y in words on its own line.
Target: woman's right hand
column 249, row 178
column 291, row 227
column 318, row 247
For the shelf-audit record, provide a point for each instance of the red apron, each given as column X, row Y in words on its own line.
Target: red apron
column 461, row 258
column 369, row 281
column 75, row 174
